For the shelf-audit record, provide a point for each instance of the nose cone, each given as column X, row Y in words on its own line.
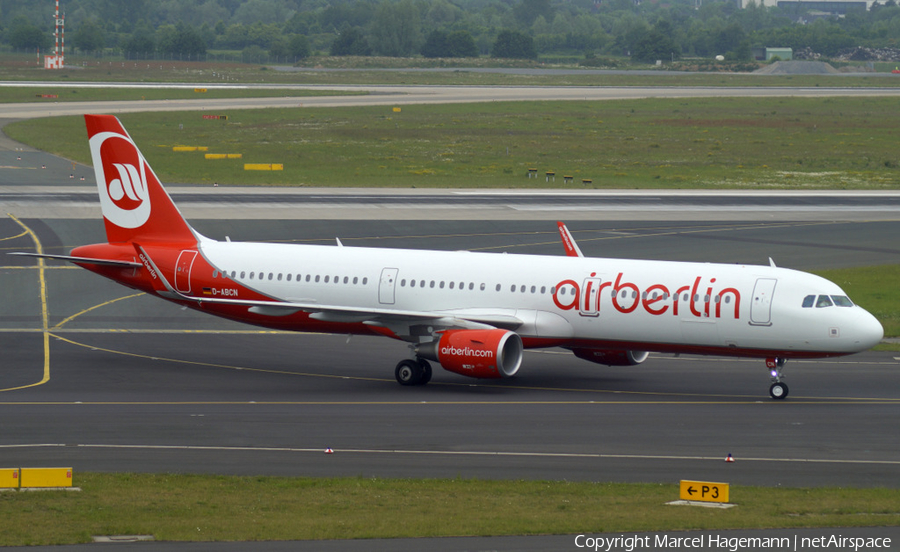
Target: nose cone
column 866, row 331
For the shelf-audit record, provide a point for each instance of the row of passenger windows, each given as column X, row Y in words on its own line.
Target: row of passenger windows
column 564, row 290
column 826, row 301
column 289, row 277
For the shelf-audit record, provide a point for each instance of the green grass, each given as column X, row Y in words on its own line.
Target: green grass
column 10, row 94
column 220, row 508
column 742, row 143
column 875, row 289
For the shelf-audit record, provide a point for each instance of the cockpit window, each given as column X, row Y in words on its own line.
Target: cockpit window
column 842, row 300
column 824, row 301
column 809, row 301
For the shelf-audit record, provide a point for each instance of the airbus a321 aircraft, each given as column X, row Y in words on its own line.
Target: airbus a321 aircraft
column 473, row 313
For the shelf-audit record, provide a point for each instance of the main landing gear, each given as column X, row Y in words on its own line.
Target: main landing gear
column 413, row 372
column 778, row 390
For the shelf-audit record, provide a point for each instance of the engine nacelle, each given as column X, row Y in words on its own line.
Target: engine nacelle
column 612, row 357
column 476, row 353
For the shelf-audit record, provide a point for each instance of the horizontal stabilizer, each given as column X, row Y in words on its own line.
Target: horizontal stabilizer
column 81, row 260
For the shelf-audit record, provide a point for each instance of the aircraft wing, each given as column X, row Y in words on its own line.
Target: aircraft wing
column 402, row 323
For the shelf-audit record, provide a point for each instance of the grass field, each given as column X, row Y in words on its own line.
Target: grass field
column 220, row 508
column 742, row 143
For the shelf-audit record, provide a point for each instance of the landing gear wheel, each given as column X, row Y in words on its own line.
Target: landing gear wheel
column 426, row 371
column 778, row 390
column 409, row 372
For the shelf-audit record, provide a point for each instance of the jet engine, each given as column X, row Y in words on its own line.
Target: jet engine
column 476, row 353
column 611, row 357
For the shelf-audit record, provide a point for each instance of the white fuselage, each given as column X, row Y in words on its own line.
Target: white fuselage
column 569, row 301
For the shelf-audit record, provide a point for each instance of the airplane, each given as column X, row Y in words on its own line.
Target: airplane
column 472, row 313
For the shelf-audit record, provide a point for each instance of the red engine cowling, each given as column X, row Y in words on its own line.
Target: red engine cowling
column 612, row 357
column 476, row 353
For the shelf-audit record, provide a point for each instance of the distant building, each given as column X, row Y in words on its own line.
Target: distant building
column 831, row 7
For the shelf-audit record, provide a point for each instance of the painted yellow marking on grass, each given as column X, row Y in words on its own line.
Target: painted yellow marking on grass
column 45, row 315
column 263, row 167
column 89, row 309
column 703, row 491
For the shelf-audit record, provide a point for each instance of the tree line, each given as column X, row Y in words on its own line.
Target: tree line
column 295, row 29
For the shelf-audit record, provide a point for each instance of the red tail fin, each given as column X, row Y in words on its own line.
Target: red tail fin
column 135, row 206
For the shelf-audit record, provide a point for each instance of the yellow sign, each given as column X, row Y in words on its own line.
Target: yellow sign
column 199, row 90
column 704, row 491
column 396, row 110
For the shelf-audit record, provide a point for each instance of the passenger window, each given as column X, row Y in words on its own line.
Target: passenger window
column 482, row 287
column 441, row 284
column 346, row 279
column 327, row 278
column 808, row 301
column 498, row 287
column 842, row 300
column 279, row 277
column 356, row 279
column 251, row 275
column 365, row 281
column 412, row 283
column 824, row 301
column 402, row 282
column 317, row 278
column 512, row 288
column 308, row 276
column 289, row 277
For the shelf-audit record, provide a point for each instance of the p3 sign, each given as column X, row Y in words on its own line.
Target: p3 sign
column 703, row 491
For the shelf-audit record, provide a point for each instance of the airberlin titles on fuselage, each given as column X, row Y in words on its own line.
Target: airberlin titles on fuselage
column 626, row 297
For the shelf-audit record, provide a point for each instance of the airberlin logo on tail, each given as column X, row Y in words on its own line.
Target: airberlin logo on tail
column 121, row 179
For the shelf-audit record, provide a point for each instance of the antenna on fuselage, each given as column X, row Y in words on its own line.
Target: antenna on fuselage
column 772, row 263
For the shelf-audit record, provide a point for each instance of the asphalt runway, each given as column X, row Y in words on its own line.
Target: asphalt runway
column 407, row 95
column 131, row 383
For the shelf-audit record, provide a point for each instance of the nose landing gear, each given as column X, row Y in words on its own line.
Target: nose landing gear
column 778, row 390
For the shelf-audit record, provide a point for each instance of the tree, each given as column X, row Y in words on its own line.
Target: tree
column 396, row 30
column 140, row 44
column 514, row 45
column 24, row 35
column 658, row 44
column 450, row 45
column 529, row 10
column 180, row 40
column 351, row 42
column 89, row 36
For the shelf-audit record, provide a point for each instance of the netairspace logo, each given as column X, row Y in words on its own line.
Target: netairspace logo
column 731, row 544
